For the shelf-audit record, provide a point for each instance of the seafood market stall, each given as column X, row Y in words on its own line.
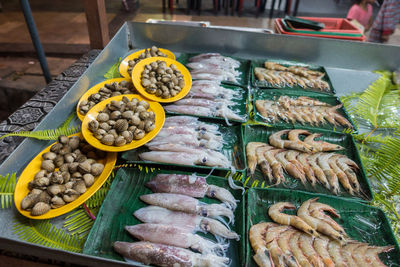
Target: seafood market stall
column 195, row 118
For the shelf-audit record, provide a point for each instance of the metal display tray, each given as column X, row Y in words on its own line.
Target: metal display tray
column 349, row 65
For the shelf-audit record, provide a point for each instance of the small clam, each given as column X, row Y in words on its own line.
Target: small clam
column 144, row 115
column 121, row 125
column 108, row 140
column 59, row 161
column 70, row 184
column 48, row 165
column 124, row 98
column 97, row 169
column 127, row 114
column 76, row 175
column 40, row 174
column 70, row 195
column 141, row 125
column 40, row 208
column 49, row 156
column 149, row 126
column 135, row 120
column 64, row 167
column 85, row 167
column 93, row 125
column 29, row 201
column 57, row 202
column 89, row 179
column 113, row 132
column 56, row 178
column 63, row 139
column 103, row 117
column 56, row 147
column 80, row 187
column 115, row 115
column 65, row 150
column 66, row 176
column 138, row 134
column 44, row 197
column 81, row 158
column 140, row 109
column 128, row 136
column 74, row 142
column 35, row 191
column 56, row 189
column 73, row 167
column 69, row 158
column 120, row 141
column 41, row 182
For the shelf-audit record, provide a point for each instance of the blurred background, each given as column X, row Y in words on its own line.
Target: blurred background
column 63, row 30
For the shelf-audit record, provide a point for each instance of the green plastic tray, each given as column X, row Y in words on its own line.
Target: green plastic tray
column 361, row 222
column 260, row 133
column 232, row 149
column 271, row 95
column 296, row 88
column 287, row 28
column 244, row 68
column 241, row 105
column 123, row 199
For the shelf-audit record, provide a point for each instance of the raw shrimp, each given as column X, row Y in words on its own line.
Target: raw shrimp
column 335, row 251
column 174, row 236
column 291, row 156
column 343, row 163
column 306, row 246
column 373, row 255
column 330, row 175
column 277, row 169
column 297, row 252
column 184, row 158
column 284, row 243
column 302, row 158
column 289, row 167
column 320, row 225
column 263, row 163
column 187, row 204
column 276, row 140
column 278, row 256
column 321, row 247
column 319, row 173
column 190, row 185
column 275, row 212
column 317, row 210
column 158, row 215
column 293, row 135
column 319, row 146
column 257, row 241
column 163, row 255
column 348, row 252
column 274, row 66
column 251, row 155
column 344, row 180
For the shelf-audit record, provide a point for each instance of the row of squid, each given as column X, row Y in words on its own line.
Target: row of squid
column 328, row 169
column 209, row 99
column 170, row 223
column 304, row 110
column 312, row 238
column 186, row 140
column 214, row 67
column 279, row 76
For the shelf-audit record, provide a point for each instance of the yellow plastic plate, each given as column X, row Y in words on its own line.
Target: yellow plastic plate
column 94, row 90
column 123, row 66
column 137, row 74
column 21, row 189
column 92, row 114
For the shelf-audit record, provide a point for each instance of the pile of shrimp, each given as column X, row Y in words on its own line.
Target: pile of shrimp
column 170, row 223
column 213, row 67
column 312, row 238
column 186, row 140
column 208, row 98
column 305, row 160
column 302, row 110
column 279, row 76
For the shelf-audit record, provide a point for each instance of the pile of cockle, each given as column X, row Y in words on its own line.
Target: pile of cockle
column 312, row 238
column 303, row 160
column 105, row 92
column 170, row 223
column 302, row 110
column 120, row 122
column 161, row 80
column 209, row 99
column 279, row 76
column 67, row 170
column 186, row 140
column 149, row 52
column 214, row 67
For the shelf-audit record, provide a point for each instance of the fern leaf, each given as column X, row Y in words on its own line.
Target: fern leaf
column 7, row 187
column 79, row 222
column 51, row 134
column 67, row 122
column 113, row 72
column 43, row 233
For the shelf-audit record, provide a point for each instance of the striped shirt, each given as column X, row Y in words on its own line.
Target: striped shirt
column 386, row 20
